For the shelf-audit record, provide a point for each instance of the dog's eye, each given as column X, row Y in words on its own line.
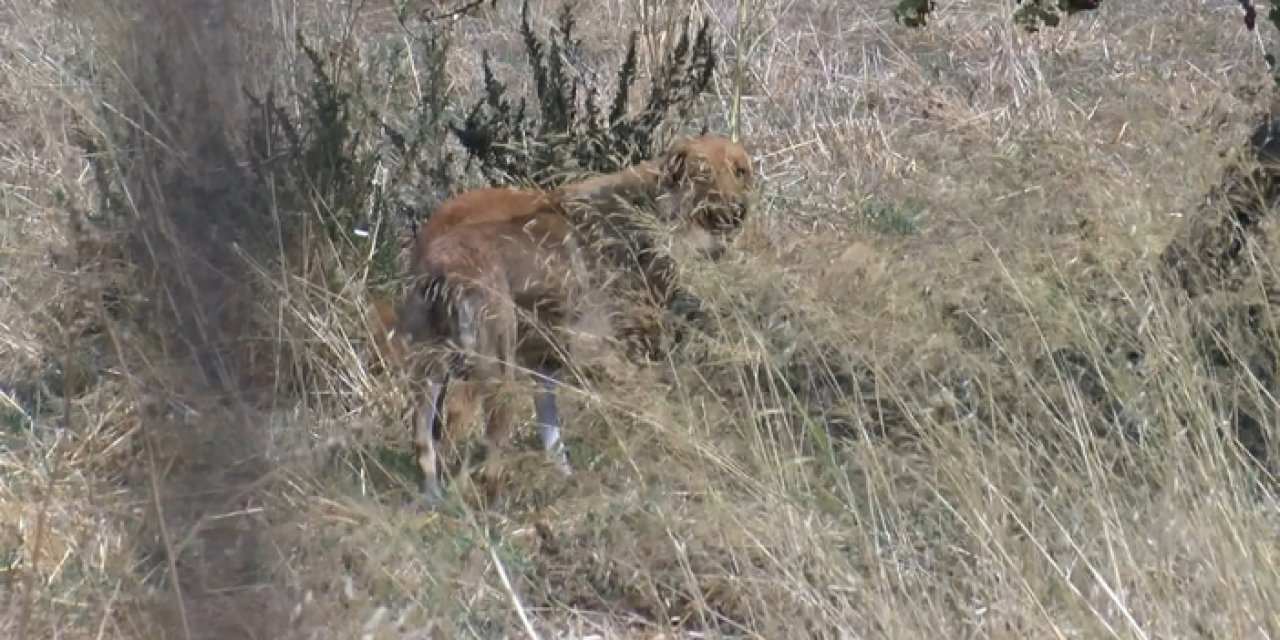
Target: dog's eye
column 741, row 172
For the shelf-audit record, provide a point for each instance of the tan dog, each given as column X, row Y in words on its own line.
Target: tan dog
column 488, row 256
column 491, row 204
column 700, row 183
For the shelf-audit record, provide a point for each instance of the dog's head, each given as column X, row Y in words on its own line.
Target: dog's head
column 709, row 179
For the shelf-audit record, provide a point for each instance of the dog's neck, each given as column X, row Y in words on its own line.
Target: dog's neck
column 635, row 185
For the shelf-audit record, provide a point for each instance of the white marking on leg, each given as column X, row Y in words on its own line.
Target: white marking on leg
column 549, row 424
column 469, row 311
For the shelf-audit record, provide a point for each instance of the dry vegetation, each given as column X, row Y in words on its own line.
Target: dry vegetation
column 950, row 396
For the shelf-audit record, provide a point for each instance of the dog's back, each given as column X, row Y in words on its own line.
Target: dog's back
column 479, row 206
column 531, row 262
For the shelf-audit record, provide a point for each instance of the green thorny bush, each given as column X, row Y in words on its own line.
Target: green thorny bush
column 358, row 158
column 331, row 156
column 352, row 154
column 571, row 130
column 212, row 185
column 331, row 175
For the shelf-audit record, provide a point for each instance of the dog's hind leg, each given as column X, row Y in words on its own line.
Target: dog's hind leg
column 494, row 322
column 426, row 435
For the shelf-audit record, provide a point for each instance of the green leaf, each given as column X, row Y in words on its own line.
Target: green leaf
column 913, row 13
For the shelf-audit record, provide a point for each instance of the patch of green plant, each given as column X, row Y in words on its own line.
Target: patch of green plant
column 1029, row 14
column 913, row 13
column 893, row 218
column 1032, row 14
column 14, row 420
column 338, row 152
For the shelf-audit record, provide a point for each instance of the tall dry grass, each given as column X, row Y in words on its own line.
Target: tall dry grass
column 948, row 397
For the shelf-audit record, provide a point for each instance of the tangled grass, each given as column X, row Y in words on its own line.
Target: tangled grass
column 952, row 393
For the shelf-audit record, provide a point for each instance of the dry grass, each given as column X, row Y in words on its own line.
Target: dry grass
column 947, row 399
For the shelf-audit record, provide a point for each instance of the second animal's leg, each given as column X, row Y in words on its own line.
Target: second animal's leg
column 549, row 424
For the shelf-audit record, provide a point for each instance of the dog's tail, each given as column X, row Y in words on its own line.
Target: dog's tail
column 444, row 312
column 425, row 312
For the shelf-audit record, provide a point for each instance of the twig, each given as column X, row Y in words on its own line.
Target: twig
column 30, row 596
column 735, row 110
column 1250, row 14
column 515, row 599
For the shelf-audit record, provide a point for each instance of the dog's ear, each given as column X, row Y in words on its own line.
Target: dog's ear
column 675, row 165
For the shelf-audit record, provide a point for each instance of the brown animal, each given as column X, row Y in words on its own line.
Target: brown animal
column 491, row 204
column 489, row 257
column 700, row 183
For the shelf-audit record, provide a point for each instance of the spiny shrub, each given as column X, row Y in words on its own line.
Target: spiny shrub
column 222, row 193
column 348, row 157
column 571, row 128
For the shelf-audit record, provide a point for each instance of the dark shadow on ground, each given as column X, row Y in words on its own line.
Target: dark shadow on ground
column 192, row 219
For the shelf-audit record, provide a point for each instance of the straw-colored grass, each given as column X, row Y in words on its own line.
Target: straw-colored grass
column 948, row 397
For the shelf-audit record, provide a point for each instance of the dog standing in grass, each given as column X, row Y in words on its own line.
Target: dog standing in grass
column 499, row 274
